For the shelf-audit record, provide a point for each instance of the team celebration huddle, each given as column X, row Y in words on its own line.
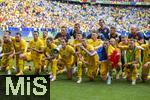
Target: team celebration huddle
column 99, row 54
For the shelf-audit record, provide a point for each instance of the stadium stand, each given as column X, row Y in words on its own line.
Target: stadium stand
column 27, row 15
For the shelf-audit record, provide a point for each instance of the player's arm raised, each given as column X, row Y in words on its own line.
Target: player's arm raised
column 91, row 52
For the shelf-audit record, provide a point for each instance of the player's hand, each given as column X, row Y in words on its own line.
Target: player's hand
column 86, row 62
column 126, row 64
column 77, row 45
column 33, row 49
column 77, row 53
column 29, row 49
column 146, row 65
column 139, row 47
column 10, row 56
column 43, row 59
column 81, row 46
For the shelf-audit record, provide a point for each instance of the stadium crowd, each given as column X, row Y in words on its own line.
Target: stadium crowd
column 48, row 14
column 99, row 53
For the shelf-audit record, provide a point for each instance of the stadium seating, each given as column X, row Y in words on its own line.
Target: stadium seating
column 27, row 15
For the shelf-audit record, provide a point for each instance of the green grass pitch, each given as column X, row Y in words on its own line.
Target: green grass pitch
column 64, row 89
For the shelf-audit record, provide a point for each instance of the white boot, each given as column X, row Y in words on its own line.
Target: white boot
column 9, row 72
column 74, row 70
column 50, row 76
column 53, row 79
column 109, row 80
column 14, row 68
column 133, row 82
column 117, row 76
column 79, row 80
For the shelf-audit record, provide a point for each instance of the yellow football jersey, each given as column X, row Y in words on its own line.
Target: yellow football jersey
column 19, row 45
column 7, row 47
column 90, row 59
column 75, row 42
column 146, row 53
column 95, row 44
column 44, row 41
column 111, row 49
column 37, row 45
column 123, row 46
column 48, row 50
column 67, row 54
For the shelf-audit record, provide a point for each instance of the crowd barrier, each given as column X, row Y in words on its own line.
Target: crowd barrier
column 27, row 32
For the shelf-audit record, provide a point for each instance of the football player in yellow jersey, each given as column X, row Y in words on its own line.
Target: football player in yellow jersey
column 20, row 47
column 36, row 48
column 7, row 54
column 87, row 58
column 139, row 50
column 77, row 40
column 50, row 57
column 132, row 63
column 8, row 33
column 114, row 59
column 145, row 55
column 97, row 43
column 67, row 54
column 43, row 39
column 74, row 43
column 123, row 44
column 103, row 60
column 94, row 41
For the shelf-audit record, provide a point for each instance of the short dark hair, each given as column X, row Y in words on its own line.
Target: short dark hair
column 124, row 37
column 49, row 38
column 18, row 34
column 36, row 32
column 113, row 27
column 77, row 24
column 94, row 31
column 63, row 27
column 101, row 20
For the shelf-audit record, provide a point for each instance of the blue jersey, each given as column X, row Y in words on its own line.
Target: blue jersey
column 104, row 32
column 100, row 36
column 137, row 36
column 147, row 35
column 73, row 33
column 102, row 53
